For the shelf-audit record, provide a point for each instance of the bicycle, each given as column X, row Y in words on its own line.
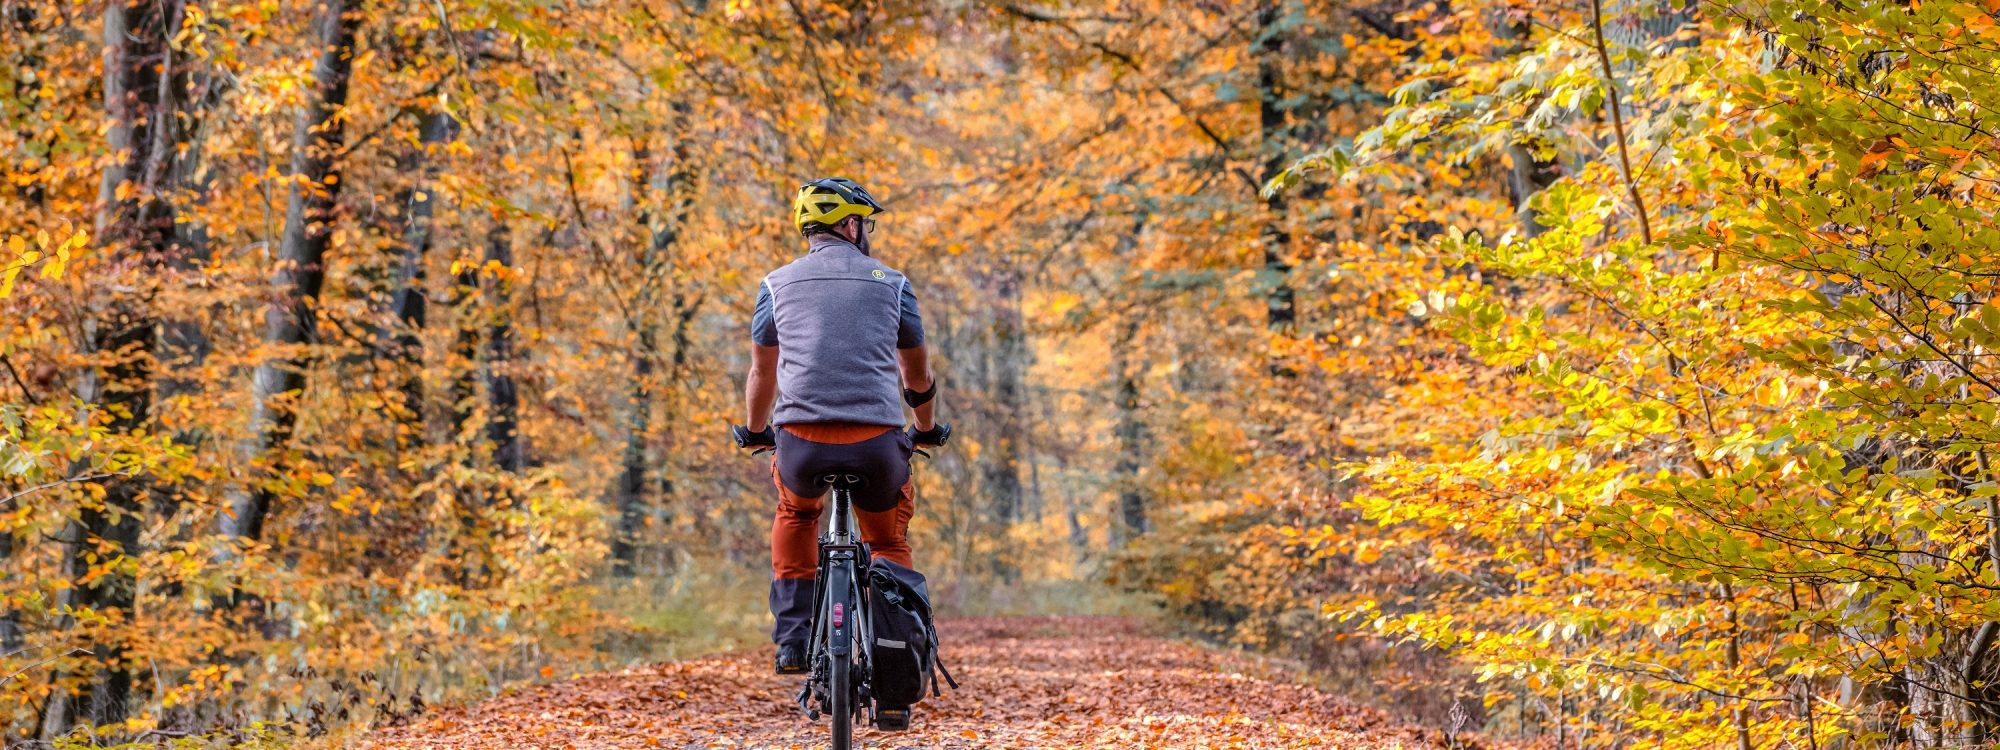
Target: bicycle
column 841, row 649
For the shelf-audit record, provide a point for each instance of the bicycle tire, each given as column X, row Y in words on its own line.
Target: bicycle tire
column 843, row 711
column 840, row 690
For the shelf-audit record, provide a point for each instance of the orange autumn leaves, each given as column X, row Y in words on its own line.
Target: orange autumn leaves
column 1700, row 476
column 1028, row 683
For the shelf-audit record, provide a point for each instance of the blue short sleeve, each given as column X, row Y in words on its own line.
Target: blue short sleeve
column 763, row 325
column 910, row 332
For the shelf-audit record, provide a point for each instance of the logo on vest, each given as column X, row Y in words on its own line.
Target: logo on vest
column 877, row 272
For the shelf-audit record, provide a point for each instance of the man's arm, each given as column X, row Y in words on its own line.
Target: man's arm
column 760, row 387
column 916, row 365
column 914, row 357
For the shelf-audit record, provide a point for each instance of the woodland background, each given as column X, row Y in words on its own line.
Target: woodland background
column 1599, row 372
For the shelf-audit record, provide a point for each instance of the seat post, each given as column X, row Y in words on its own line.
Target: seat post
column 842, row 522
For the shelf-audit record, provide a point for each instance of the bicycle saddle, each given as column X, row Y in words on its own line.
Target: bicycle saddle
column 843, row 480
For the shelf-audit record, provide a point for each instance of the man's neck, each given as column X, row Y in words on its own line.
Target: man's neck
column 825, row 240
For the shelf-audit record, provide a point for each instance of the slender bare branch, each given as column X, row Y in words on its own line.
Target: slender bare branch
column 1618, row 121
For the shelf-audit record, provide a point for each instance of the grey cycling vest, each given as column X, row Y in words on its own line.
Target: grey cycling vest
column 837, row 312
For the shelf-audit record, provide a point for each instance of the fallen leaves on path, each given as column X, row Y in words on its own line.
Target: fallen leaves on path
column 1067, row 682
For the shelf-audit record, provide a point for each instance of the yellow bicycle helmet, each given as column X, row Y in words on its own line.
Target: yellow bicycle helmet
column 822, row 203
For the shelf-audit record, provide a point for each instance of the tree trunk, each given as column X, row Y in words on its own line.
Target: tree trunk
column 182, row 347
column 1131, row 435
column 409, row 302
column 1129, row 518
column 631, row 496
column 503, row 434
column 465, row 351
column 1940, row 716
column 318, row 138
column 136, row 223
column 463, row 407
column 1002, row 467
column 1527, row 172
column 184, row 344
column 1281, row 311
column 676, row 182
column 10, row 619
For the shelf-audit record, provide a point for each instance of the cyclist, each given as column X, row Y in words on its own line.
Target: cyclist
column 834, row 336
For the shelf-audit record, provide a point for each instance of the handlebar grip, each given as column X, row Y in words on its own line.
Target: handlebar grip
column 937, row 435
column 744, row 438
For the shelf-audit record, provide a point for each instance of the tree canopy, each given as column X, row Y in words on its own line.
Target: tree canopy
column 1609, row 372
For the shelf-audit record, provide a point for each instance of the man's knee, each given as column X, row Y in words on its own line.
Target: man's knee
column 790, row 567
column 897, row 551
column 888, row 532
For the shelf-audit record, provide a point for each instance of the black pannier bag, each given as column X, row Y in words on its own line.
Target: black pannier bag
column 906, row 643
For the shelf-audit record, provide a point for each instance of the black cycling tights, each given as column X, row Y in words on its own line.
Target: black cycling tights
column 882, row 461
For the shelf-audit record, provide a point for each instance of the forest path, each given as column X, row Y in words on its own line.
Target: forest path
column 1050, row 682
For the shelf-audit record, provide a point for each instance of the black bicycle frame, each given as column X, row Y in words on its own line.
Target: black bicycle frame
column 839, row 552
column 839, row 602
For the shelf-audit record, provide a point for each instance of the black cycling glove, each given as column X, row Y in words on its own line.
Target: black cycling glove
column 747, row 439
column 936, row 435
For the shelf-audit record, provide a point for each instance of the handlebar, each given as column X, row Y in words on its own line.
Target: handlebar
column 766, row 440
